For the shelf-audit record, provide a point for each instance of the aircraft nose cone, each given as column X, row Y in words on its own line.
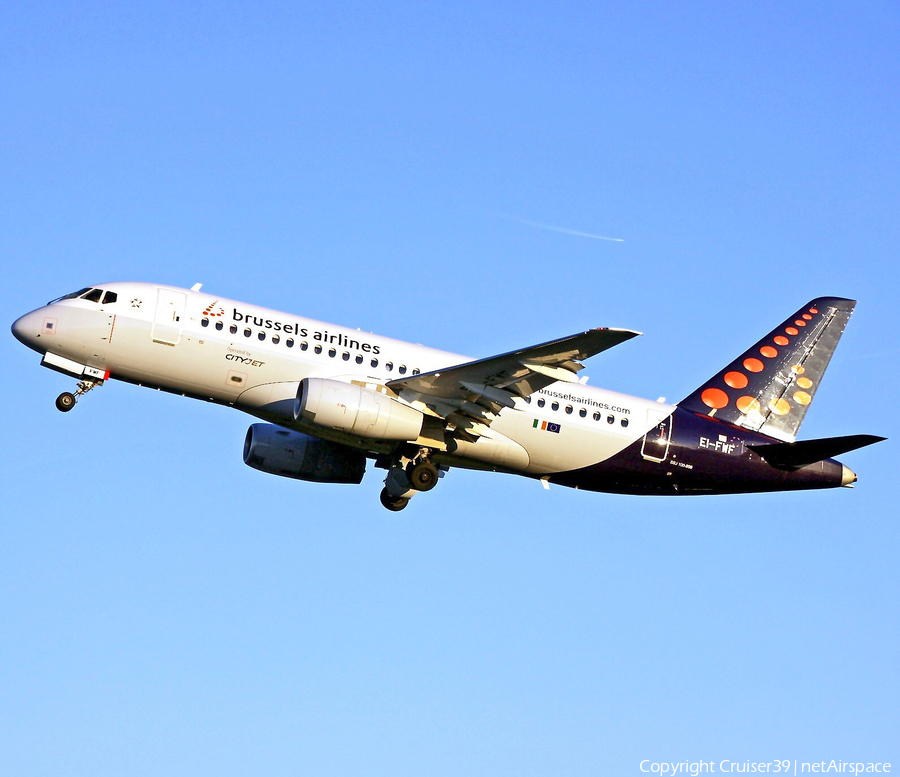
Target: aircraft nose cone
column 848, row 476
column 27, row 328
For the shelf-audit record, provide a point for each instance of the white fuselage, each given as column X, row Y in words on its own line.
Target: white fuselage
column 253, row 358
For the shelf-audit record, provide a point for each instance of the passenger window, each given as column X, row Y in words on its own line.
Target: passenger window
column 541, row 402
column 554, row 406
column 374, row 363
column 332, row 352
column 276, row 339
column 583, row 412
column 359, row 358
column 389, row 366
column 527, row 400
column 624, row 422
column 402, row 369
column 110, row 297
column 610, row 419
column 204, row 322
column 345, row 356
column 247, row 332
column 304, row 345
column 93, row 295
column 219, row 325
column 232, row 329
column 568, row 410
column 289, row 342
column 416, row 371
column 318, row 349
column 596, row 415
column 262, row 335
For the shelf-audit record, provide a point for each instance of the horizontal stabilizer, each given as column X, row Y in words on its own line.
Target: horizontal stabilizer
column 794, row 455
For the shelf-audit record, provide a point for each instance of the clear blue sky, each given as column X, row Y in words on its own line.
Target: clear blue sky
column 166, row 610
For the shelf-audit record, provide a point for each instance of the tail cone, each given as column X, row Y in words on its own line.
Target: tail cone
column 848, row 477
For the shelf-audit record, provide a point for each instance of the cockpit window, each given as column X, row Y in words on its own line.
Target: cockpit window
column 93, row 295
column 73, row 295
column 110, row 297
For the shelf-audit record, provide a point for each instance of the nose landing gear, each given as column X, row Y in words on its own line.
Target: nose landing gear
column 66, row 401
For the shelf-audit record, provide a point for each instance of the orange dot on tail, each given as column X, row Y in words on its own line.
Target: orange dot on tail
column 736, row 379
column 792, row 331
column 753, row 365
column 800, row 322
column 780, row 340
column 813, row 310
column 780, row 407
column 715, row 398
column 804, row 382
column 768, row 351
column 802, row 398
column 807, row 317
column 798, row 369
column 745, row 404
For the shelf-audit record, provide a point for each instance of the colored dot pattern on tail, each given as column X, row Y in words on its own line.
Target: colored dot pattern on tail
column 717, row 396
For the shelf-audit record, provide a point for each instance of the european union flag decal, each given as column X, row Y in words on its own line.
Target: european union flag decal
column 547, row 426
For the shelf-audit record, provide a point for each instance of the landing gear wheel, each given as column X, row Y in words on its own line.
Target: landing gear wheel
column 393, row 503
column 65, row 402
column 423, row 475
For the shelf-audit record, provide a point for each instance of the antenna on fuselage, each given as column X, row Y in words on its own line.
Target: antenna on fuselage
column 196, row 287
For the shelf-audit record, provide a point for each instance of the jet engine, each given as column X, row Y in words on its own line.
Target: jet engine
column 270, row 448
column 357, row 410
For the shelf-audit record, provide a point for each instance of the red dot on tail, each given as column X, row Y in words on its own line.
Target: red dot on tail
column 715, row 398
column 736, row 380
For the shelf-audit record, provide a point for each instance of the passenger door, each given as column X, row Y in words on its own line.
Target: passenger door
column 167, row 324
column 657, row 438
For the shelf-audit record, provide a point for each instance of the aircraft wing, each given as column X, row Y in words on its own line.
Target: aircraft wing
column 469, row 396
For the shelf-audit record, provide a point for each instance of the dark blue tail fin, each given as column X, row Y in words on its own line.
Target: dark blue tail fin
column 770, row 386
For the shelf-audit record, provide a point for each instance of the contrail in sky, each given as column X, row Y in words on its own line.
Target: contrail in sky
column 563, row 230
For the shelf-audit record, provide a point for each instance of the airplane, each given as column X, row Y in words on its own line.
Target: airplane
column 332, row 398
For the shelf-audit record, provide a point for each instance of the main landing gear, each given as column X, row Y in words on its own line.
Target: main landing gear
column 66, row 401
column 407, row 477
column 393, row 503
column 422, row 474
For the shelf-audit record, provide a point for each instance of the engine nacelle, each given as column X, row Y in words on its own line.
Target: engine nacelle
column 356, row 410
column 270, row 448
